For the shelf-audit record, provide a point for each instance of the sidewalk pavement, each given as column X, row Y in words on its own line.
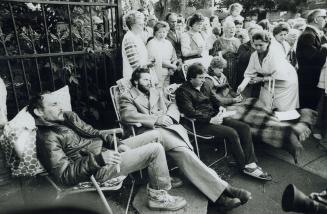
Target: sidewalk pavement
column 313, row 159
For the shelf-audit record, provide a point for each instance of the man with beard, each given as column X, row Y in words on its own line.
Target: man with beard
column 147, row 106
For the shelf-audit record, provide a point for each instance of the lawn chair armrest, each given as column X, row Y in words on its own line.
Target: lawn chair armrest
column 112, row 131
column 188, row 118
column 129, row 123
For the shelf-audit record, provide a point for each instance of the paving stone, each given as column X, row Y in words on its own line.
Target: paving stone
column 318, row 167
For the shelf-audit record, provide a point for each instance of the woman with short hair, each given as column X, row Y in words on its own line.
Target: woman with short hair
column 280, row 32
column 268, row 62
column 227, row 46
column 134, row 51
column 193, row 42
column 164, row 54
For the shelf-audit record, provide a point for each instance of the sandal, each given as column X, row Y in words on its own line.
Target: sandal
column 257, row 172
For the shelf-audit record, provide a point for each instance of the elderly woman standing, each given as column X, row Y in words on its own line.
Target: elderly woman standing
column 268, row 62
column 193, row 42
column 134, row 51
column 280, row 32
column 164, row 54
column 227, row 46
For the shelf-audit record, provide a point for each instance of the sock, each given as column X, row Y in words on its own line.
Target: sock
column 251, row 165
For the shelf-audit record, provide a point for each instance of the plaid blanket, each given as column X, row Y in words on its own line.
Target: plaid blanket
column 268, row 129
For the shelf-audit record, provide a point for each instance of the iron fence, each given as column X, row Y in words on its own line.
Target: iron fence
column 47, row 44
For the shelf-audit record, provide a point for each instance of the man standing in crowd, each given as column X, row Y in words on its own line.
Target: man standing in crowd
column 72, row 151
column 173, row 35
column 311, row 56
column 147, row 106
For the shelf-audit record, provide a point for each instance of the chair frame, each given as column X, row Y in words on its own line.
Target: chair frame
column 113, row 95
column 203, row 137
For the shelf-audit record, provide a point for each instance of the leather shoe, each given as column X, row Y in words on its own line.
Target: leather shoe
column 227, row 203
column 241, row 194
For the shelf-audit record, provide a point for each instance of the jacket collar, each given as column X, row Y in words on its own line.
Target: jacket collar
column 136, row 94
column 315, row 29
column 41, row 122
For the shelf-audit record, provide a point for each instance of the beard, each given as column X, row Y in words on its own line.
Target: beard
column 144, row 89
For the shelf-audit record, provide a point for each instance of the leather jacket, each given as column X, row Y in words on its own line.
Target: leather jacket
column 201, row 105
column 70, row 150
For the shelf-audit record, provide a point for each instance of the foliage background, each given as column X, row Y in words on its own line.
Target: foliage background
column 85, row 73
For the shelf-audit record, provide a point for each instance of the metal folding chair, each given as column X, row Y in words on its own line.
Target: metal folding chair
column 93, row 185
column 115, row 94
column 192, row 131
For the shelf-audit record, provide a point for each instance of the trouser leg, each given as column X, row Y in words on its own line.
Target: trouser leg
column 151, row 155
column 245, row 137
column 231, row 136
column 203, row 177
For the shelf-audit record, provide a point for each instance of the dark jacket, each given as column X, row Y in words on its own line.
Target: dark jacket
column 201, row 105
column 311, row 56
column 244, row 53
column 70, row 150
column 175, row 40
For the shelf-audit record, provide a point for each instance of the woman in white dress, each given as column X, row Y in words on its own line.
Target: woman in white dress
column 164, row 54
column 267, row 62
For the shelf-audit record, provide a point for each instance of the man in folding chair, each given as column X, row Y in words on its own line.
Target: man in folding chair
column 198, row 102
column 72, row 151
column 147, row 106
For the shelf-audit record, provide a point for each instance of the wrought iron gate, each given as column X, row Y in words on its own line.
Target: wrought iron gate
column 47, row 44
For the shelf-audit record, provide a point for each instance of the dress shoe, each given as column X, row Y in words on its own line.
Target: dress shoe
column 241, row 194
column 226, row 203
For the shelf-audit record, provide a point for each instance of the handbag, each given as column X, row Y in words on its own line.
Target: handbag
column 267, row 94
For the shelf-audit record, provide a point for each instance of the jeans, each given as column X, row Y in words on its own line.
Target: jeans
column 238, row 136
column 145, row 154
column 203, row 177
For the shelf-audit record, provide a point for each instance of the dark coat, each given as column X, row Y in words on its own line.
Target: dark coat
column 70, row 150
column 175, row 40
column 201, row 105
column 243, row 57
column 311, row 56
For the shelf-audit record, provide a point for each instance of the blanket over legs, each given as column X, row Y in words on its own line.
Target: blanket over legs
column 266, row 128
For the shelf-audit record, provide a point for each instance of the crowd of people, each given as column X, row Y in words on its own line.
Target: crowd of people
column 227, row 61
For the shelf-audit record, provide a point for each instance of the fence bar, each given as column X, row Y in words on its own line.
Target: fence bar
column 112, row 25
column 38, row 74
column 49, row 55
column 20, row 50
column 64, row 3
column 119, row 26
column 71, row 35
column 48, row 44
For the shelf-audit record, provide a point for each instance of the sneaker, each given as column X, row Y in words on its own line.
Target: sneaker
column 241, row 194
column 226, row 203
column 162, row 201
